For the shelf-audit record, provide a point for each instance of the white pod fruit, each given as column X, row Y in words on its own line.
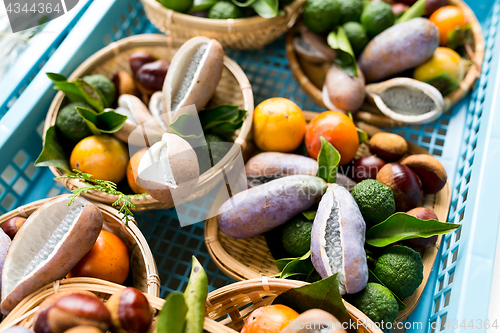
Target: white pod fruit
column 51, row 242
column 338, row 239
column 407, row 100
column 194, row 74
column 169, row 170
column 138, row 116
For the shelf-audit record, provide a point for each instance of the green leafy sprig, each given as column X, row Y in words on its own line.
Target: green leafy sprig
column 124, row 201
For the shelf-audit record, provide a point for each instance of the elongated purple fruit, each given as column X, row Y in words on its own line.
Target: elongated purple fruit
column 260, row 209
column 265, row 167
column 338, row 238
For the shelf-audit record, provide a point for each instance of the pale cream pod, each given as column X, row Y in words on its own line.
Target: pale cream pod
column 169, row 170
column 138, row 116
column 50, row 243
column 407, row 100
column 194, row 74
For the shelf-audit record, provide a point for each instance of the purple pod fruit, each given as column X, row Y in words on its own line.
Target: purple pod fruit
column 338, row 238
column 260, row 209
column 265, row 167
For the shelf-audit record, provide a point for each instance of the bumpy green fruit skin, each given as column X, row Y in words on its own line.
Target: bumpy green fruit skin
column 375, row 201
column 401, row 269
column 262, row 208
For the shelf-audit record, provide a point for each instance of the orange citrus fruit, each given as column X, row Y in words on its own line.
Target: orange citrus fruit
column 107, row 260
column 278, row 125
column 103, row 156
column 338, row 129
column 132, row 167
column 448, row 19
column 269, row 319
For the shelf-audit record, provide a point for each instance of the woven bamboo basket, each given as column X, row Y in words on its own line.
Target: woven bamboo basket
column 243, row 259
column 245, row 33
column 234, row 88
column 24, row 313
column 232, row 304
column 142, row 263
column 311, row 77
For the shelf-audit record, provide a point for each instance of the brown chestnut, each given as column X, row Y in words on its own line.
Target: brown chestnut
column 388, row 146
column 130, row 311
column 75, row 309
column 367, row 168
column 124, row 83
column 84, row 329
column 429, row 170
column 422, row 242
column 404, row 183
column 138, row 59
column 12, row 226
column 150, row 76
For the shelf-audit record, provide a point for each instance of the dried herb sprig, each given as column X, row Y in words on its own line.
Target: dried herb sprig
column 124, row 201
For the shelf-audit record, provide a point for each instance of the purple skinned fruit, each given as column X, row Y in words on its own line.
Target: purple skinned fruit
column 338, row 238
column 18, row 329
column 262, row 208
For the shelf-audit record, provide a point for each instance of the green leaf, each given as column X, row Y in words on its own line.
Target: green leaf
column 295, row 266
column 266, row 8
column 328, row 162
column 53, row 153
column 362, row 135
column 68, row 88
column 172, row 315
column 202, row 6
column 310, row 215
column 345, row 58
column 79, row 91
column 222, row 120
column 401, row 226
column 323, row 294
column 182, row 126
column 373, row 278
column 243, row 4
column 416, row 10
column 106, row 122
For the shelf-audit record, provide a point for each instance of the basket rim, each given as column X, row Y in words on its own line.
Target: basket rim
column 227, row 25
column 143, row 40
column 240, row 272
column 153, row 278
column 220, row 295
column 29, row 305
column 450, row 99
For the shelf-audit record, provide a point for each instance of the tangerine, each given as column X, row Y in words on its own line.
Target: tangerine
column 338, row 129
column 278, row 125
column 107, row 260
column 132, row 167
column 447, row 19
column 269, row 319
column 103, row 156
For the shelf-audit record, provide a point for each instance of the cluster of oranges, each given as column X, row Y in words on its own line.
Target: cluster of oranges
column 280, row 126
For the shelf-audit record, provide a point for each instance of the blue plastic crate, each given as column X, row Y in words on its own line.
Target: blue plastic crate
column 460, row 282
column 35, row 54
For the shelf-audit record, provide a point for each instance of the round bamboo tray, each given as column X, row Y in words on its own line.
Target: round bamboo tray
column 243, row 259
column 245, row 33
column 24, row 313
column 142, row 262
column 311, row 77
column 234, row 88
column 232, row 304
